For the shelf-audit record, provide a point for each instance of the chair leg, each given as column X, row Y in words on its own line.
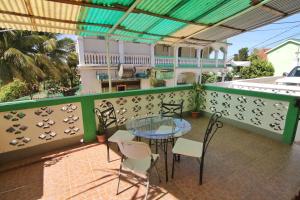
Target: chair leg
column 147, row 188
column 156, row 147
column 119, row 178
column 107, row 145
column 201, row 172
column 173, row 163
column 157, row 174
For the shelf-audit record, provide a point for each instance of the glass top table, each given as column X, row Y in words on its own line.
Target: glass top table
column 158, row 127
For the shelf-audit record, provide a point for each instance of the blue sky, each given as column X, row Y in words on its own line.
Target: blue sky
column 274, row 32
column 255, row 38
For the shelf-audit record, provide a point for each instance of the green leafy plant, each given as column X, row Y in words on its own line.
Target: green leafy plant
column 258, row 68
column 13, row 90
column 209, row 77
column 199, row 98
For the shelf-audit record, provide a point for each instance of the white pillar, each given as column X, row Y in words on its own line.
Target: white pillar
column 199, row 63
column 152, row 55
column 216, row 58
column 108, row 61
column 80, row 50
column 175, row 64
column 121, row 51
column 225, row 58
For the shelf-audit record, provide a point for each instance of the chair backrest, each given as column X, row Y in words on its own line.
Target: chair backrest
column 107, row 116
column 171, row 109
column 134, row 150
column 213, row 125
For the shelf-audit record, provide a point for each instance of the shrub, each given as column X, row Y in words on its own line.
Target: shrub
column 209, row 77
column 13, row 90
column 258, row 68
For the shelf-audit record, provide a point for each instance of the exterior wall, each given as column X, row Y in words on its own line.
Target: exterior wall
column 284, row 58
column 136, row 49
column 163, row 50
column 95, row 45
column 91, row 84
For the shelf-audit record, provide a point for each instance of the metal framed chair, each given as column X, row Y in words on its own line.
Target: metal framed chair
column 108, row 117
column 197, row 149
column 138, row 159
column 172, row 109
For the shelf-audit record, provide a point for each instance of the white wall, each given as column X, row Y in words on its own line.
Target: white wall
column 95, row 45
column 136, row 49
column 284, row 58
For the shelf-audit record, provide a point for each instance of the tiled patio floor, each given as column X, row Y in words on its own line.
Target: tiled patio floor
column 239, row 165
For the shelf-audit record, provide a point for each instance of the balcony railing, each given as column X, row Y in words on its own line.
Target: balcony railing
column 29, row 124
column 159, row 61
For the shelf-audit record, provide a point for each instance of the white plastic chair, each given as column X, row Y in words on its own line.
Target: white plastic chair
column 138, row 159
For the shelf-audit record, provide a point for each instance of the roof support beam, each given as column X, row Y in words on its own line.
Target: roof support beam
column 276, row 11
column 29, row 11
column 130, row 9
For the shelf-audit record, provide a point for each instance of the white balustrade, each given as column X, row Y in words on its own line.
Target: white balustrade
column 187, row 61
column 100, row 58
column 164, row 60
column 137, row 59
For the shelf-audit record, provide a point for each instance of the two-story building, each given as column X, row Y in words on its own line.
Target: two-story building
column 134, row 65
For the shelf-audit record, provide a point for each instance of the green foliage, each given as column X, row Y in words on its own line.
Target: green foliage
column 209, row 77
column 242, row 55
column 13, row 90
column 199, row 98
column 258, row 68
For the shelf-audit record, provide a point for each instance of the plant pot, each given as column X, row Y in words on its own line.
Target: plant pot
column 195, row 114
column 101, row 139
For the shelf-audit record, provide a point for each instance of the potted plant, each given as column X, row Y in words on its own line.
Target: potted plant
column 101, row 132
column 199, row 99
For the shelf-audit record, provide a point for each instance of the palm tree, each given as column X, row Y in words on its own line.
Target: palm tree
column 33, row 57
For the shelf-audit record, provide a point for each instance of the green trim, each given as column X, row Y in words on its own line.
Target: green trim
column 156, row 56
column 88, row 118
column 283, row 44
column 265, row 95
column 291, row 123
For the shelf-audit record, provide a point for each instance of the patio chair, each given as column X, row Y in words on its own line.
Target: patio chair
column 172, row 109
column 108, row 117
column 138, row 159
column 197, row 149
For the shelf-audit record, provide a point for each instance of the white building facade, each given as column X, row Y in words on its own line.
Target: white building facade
column 185, row 63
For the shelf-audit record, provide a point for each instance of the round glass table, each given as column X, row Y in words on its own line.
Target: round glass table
column 157, row 127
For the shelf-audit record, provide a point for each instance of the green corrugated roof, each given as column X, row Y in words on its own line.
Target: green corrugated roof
column 139, row 22
column 161, row 7
column 210, row 11
column 194, row 8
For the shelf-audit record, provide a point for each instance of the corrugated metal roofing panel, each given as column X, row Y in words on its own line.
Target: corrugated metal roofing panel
column 228, row 9
column 247, row 20
column 15, row 26
column 166, row 27
column 55, row 10
column 102, row 16
column 19, row 19
column 55, row 24
column 158, row 6
column 139, row 22
column 94, row 28
column 286, row 6
column 194, row 8
column 216, row 33
column 188, row 30
column 55, row 30
column 13, row 6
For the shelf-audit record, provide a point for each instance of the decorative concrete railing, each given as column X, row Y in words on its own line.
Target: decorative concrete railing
column 100, row 58
column 159, row 61
column 33, row 126
column 164, row 61
column 187, row 61
column 137, row 59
